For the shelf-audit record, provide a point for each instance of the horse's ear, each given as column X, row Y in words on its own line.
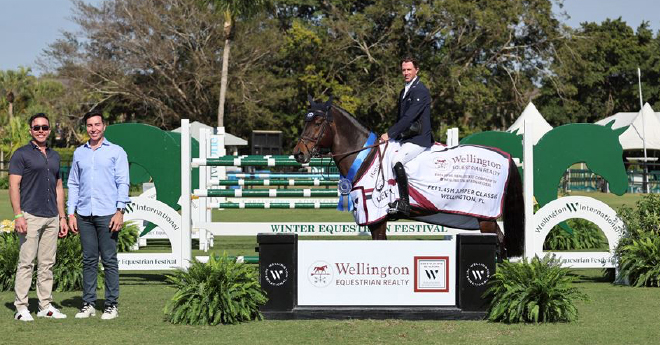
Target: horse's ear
column 310, row 99
column 328, row 104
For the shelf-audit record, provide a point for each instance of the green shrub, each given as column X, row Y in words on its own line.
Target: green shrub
column 66, row 153
column 220, row 291
column 645, row 218
column 586, row 235
column 68, row 268
column 67, row 271
column 538, row 291
column 4, row 182
column 638, row 252
column 8, row 260
column 639, row 260
column 127, row 237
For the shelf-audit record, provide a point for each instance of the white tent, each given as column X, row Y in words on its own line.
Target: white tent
column 645, row 123
column 541, row 126
column 230, row 140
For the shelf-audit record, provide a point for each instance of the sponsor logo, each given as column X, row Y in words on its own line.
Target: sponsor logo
column 442, row 165
column 431, row 274
column 276, row 274
column 478, row 274
column 381, row 198
column 473, row 159
column 320, row 274
column 572, row 206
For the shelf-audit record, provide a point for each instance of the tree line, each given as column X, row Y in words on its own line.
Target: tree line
column 158, row 61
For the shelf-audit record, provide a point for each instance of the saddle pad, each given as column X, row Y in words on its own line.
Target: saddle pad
column 466, row 179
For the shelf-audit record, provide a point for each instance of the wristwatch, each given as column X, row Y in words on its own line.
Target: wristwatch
column 122, row 210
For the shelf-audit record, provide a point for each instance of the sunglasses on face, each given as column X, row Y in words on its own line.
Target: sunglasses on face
column 43, row 128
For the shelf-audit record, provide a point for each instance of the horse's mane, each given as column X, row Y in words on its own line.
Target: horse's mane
column 351, row 118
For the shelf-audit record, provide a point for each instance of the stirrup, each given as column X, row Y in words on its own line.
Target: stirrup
column 393, row 214
column 398, row 210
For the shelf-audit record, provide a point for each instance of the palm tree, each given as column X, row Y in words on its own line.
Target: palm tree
column 231, row 10
column 10, row 100
column 15, row 85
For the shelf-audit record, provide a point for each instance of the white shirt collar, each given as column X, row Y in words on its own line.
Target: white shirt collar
column 408, row 85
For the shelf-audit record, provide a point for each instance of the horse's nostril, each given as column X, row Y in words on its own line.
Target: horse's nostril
column 302, row 158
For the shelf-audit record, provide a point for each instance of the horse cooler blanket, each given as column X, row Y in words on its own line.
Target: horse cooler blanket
column 466, row 180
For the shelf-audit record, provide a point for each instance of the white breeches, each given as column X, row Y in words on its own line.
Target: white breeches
column 406, row 153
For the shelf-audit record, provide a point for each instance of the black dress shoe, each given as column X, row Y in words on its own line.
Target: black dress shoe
column 399, row 208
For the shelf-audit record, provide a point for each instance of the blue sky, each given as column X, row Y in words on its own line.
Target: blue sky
column 28, row 26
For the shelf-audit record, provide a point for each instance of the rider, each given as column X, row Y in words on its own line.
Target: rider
column 412, row 128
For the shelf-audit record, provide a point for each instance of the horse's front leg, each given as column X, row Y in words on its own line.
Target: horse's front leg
column 378, row 231
column 491, row 227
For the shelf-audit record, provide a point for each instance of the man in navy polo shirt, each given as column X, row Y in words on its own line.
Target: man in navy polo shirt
column 37, row 198
column 98, row 193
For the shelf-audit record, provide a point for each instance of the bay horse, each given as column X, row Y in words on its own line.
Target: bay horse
column 331, row 128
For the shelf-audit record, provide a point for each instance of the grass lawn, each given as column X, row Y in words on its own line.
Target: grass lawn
column 323, row 215
column 614, row 315
column 613, row 200
column 5, row 206
column 326, row 215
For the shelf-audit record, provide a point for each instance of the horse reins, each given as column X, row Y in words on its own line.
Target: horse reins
column 315, row 141
column 380, row 158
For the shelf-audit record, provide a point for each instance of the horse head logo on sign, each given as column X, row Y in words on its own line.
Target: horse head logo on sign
column 320, row 274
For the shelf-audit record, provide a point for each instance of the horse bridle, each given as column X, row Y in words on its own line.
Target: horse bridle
column 315, row 151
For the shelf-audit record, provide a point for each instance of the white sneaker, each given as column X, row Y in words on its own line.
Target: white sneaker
column 86, row 311
column 110, row 312
column 23, row 315
column 51, row 313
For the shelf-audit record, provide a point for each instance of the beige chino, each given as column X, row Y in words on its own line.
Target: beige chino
column 39, row 242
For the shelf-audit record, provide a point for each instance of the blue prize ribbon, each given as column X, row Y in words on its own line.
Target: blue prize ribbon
column 345, row 201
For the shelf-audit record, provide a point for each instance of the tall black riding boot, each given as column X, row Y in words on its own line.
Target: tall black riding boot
column 401, row 206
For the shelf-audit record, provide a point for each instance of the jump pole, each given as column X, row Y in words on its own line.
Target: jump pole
column 528, row 189
column 186, row 251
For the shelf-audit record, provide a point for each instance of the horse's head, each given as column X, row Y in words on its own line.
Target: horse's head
column 609, row 164
column 317, row 135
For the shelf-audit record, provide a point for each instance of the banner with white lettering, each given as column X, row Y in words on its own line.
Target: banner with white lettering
column 466, row 179
column 377, row 273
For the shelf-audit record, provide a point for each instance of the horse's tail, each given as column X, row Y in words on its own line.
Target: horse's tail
column 514, row 213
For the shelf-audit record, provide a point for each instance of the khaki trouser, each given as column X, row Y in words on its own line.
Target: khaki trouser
column 39, row 242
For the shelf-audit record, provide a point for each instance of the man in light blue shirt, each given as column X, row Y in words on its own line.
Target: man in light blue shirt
column 98, row 193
